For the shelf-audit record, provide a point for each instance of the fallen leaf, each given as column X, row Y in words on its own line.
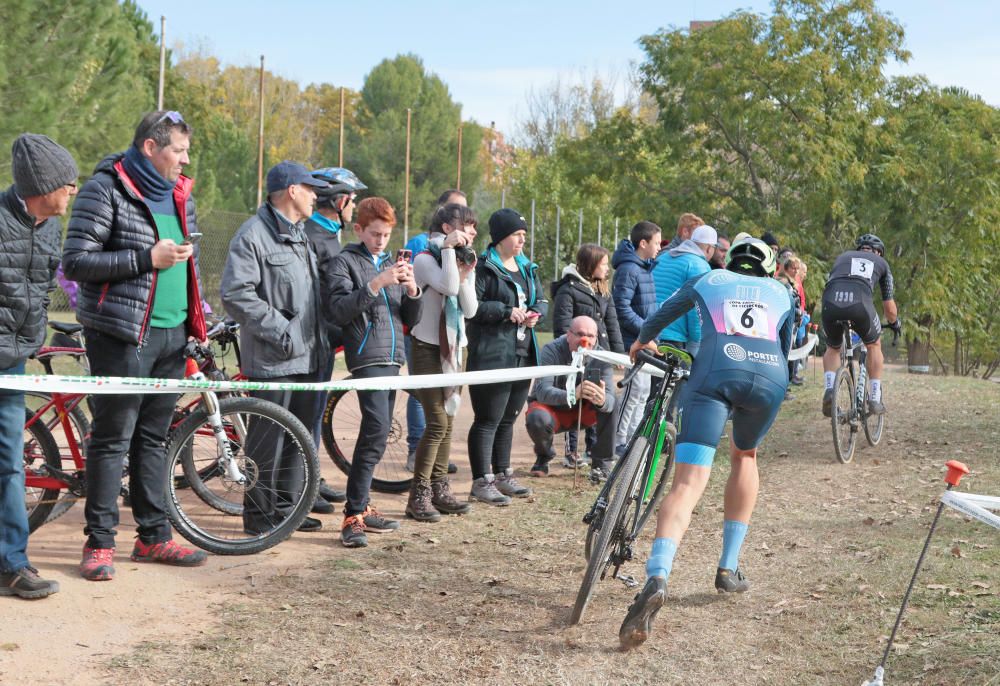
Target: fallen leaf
column 979, row 584
column 868, row 521
column 9, row 646
column 956, row 552
column 936, row 587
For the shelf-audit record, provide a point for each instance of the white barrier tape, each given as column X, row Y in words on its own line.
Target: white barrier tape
column 974, row 506
column 125, row 384
column 803, row 350
column 799, row 353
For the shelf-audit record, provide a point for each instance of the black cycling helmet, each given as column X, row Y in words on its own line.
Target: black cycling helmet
column 342, row 182
column 749, row 255
column 870, row 240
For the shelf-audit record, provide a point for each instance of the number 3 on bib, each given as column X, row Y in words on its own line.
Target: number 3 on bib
column 746, row 318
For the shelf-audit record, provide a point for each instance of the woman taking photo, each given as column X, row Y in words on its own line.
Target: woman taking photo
column 446, row 273
column 501, row 336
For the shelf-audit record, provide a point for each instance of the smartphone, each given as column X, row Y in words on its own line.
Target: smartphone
column 403, row 255
column 192, row 238
column 532, row 314
column 592, row 374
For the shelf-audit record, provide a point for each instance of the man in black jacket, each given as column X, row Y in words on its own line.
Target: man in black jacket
column 370, row 296
column 127, row 245
column 44, row 181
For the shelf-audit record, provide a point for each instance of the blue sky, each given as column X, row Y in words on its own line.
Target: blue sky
column 491, row 54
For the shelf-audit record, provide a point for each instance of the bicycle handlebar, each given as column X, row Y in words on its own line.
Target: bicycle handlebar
column 645, row 357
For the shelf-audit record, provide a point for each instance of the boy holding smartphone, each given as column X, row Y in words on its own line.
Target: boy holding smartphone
column 371, row 296
column 549, row 408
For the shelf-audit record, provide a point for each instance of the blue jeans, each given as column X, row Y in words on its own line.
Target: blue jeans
column 415, row 420
column 13, row 516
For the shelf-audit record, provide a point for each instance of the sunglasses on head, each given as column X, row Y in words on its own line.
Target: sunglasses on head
column 174, row 116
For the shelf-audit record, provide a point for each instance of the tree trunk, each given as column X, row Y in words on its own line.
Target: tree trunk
column 918, row 355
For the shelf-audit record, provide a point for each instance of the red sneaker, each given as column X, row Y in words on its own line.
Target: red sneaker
column 169, row 553
column 97, row 564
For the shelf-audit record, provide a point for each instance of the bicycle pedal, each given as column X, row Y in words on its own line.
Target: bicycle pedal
column 629, row 580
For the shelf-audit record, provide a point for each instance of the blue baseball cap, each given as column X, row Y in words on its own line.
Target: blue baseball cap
column 288, row 173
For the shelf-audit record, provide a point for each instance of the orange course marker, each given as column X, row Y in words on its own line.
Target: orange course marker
column 956, row 470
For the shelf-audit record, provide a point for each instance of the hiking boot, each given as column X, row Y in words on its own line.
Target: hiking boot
column 876, row 407
column 411, row 461
column 310, row 525
column 331, row 494
column 598, row 475
column 352, row 532
column 419, row 505
column 508, row 485
column 376, row 523
column 452, row 468
column 484, row 489
column 641, row 613
column 169, row 553
column 322, row 506
column 444, row 500
column 25, row 583
column 730, row 581
column 540, row 469
column 828, row 402
column 97, row 564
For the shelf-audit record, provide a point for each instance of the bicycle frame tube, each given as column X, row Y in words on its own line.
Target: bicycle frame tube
column 64, row 403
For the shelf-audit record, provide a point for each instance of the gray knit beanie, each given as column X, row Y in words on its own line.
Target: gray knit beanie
column 40, row 165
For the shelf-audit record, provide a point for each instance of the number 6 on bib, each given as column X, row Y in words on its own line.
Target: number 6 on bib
column 746, row 318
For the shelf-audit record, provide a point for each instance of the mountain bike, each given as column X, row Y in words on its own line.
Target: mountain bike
column 850, row 411
column 638, row 479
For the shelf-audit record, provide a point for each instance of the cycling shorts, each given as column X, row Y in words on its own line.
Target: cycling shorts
column 753, row 399
column 848, row 301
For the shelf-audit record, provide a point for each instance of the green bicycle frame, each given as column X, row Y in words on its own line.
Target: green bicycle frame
column 660, row 427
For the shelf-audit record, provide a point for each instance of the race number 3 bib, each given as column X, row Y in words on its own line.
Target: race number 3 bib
column 746, row 318
column 862, row 267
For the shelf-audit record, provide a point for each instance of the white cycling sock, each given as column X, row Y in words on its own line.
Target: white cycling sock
column 876, row 393
column 829, row 377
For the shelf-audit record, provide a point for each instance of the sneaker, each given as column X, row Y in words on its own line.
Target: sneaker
column 452, row 468
column 641, row 613
column 25, row 583
column 411, row 461
column 376, row 523
column 352, row 532
column 330, row 494
column 796, row 381
column 573, row 461
column 484, row 489
column 322, row 506
column 97, row 564
column 598, row 475
column 540, row 469
column 508, row 485
column 828, row 402
column 620, row 450
column 310, row 524
column 876, row 407
column 730, row 581
column 169, row 553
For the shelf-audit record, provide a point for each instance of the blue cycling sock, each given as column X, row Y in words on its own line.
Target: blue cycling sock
column 661, row 558
column 733, row 533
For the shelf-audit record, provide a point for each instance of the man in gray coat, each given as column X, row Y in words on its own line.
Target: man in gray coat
column 30, row 231
column 549, row 411
column 271, row 286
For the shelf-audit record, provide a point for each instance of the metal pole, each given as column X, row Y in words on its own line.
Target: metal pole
column 163, row 61
column 260, row 137
column 555, row 255
column 503, row 197
column 406, row 190
column 598, row 229
column 458, row 183
column 340, row 149
column 579, row 231
column 615, row 246
column 532, row 229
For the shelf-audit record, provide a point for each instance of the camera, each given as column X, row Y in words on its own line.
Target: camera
column 465, row 255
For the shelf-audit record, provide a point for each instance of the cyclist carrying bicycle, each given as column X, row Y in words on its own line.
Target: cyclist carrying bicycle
column 746, row 334
column 848, row 297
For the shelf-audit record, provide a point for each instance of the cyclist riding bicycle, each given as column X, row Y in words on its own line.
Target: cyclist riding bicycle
column 848, row 297
column 747, row 325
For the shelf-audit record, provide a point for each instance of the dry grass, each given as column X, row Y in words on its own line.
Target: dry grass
column 485, row 598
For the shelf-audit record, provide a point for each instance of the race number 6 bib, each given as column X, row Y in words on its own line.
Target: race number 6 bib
column 746, row 318
column 862, row 267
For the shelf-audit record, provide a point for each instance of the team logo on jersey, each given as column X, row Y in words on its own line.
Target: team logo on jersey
column 735, row 352
column 720, row 277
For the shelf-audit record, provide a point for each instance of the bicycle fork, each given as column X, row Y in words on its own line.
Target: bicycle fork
column 211, row 402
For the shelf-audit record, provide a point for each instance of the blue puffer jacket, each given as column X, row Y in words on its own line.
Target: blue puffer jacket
column 673, row 269
column 632, row 290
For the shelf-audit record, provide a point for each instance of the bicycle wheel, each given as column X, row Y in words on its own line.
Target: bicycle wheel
column 341, row 420
column 845, row 427
column 79, row 425
column 39, row 449
column 283, row 484
column 667, row 460
column 874, row 424
column 612, row 529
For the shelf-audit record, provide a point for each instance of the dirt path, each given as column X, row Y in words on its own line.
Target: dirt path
column 485, row 598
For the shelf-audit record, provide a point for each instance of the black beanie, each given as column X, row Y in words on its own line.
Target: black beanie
column 505, row 222
column 40, row 165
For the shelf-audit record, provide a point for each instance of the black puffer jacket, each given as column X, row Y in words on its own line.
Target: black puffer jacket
column 27, row 275
column 372, row 334
column 108, row 250
column 573, row 297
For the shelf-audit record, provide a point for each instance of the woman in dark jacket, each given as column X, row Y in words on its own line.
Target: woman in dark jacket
column 501, row 336
column 583, row 290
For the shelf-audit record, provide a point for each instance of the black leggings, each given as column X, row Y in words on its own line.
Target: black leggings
column 496, row 408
